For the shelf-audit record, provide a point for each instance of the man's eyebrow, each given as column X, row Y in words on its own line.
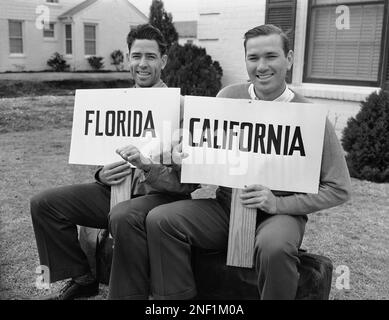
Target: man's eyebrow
column 265, row 53
column 272, row 52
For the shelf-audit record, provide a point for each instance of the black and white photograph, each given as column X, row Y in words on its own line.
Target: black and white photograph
column 207, row 151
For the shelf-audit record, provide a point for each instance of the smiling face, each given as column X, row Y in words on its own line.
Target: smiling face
column 267, row 65
column 146, row 62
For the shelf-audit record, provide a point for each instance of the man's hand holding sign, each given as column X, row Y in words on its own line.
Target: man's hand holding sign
column 114, row 173
column 132, row 155
column 258, row 197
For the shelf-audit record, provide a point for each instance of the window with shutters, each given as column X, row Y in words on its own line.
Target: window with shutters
column 15, row 36
column 345, row 42
column 90, row 39
column 48, row 30
column 282, row 13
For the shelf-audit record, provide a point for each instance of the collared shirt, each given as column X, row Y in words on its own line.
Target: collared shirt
column 159, row 84
column 286, row 96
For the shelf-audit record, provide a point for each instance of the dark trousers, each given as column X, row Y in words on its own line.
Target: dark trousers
column 174, row 228
column 57, row 212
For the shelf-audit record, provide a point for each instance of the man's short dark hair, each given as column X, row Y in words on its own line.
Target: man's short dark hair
column 148, row 32
column 267, row 30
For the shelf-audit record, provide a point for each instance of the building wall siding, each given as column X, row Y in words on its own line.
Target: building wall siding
column 112, row 30
column 225, row 41
column 36, row 50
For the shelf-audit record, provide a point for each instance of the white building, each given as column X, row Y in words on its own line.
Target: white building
column 333, row 60
column 187, row 32
column 76, row 29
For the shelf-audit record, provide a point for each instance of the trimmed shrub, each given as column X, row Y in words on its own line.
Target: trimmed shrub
column 117, row 59
column 366, row 139
column 57, row 62
column 190, row 68
column 96, row 62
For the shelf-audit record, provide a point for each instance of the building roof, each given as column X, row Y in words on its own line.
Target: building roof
column 81, row 6
column 186, row 29
column 137, row 10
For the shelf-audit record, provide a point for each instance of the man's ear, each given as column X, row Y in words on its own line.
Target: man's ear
column 290, row 58
column 164, row 61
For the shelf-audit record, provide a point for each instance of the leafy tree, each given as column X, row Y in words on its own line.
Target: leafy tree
column 162, row 20
column 189, row 67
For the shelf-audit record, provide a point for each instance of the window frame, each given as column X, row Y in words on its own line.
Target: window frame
column 18, row 38
column 95, row 39
column 385, row 62
column 68, row 39
column 383, row 48
column 53, row 30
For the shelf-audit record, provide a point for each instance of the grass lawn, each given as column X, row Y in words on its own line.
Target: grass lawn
column 59, row 87
column 34, row 148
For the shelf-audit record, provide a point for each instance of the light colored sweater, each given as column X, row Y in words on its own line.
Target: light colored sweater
column 334, row 185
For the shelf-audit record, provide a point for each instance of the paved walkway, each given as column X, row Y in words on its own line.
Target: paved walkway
column 57, row 76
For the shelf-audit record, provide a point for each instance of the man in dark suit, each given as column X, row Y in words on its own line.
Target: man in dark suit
column 57, row 212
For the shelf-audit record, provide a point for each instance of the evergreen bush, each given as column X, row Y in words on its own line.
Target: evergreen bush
column 96, row 62
column 57, row 62
column 366, row 139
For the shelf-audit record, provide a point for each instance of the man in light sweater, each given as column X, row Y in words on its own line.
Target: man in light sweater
column 174, row 228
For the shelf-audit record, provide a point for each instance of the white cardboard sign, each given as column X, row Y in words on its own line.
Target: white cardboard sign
column 236, row 142
column 106, row 119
